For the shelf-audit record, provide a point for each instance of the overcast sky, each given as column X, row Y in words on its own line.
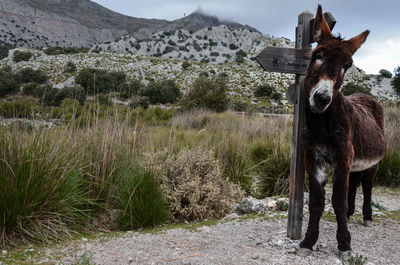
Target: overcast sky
column 279, row 18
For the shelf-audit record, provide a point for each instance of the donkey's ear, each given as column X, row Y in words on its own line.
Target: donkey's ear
column 355, row 42
column 321, row 27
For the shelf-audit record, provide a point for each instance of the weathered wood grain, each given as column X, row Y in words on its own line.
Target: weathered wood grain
column 284, row 60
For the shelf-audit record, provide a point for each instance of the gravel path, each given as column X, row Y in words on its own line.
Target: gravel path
column 252, row 241
column 256, row 240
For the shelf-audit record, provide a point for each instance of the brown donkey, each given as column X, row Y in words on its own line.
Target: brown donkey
column 341, row 134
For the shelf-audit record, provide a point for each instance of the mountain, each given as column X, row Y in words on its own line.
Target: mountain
column 82, row 23
column 216, row 44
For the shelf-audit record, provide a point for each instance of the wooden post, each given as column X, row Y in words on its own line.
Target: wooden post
column 296, row 196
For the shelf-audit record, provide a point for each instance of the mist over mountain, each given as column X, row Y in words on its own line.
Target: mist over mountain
column 82, row 23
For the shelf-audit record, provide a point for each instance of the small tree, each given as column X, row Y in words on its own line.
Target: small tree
column 185, row 65
column 8, row 84
column 4, row 51
column 385, row 73
column 208, row 93
column 70, row 67
column 28, row 75
column 165, row 91
column 396, row 80
column 20, row 56
column 138, row 101
column 264, row 91
column 129, row 89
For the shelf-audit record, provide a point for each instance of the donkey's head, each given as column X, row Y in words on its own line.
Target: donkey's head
column 329, row 62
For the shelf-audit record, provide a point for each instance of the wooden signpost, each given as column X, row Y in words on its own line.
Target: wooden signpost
column 295, row 61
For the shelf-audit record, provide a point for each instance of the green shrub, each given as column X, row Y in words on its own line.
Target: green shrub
column 4, row 49
column 239, row 59
column 207, row 93
column 197, row 47
column 233, row 46
column 396, row 80
column 282, row 205
column 185, row 65
column 239, row 105
column 70, row 67
column 75, row 92
column 28, row 75
column 104, row 99
column 172, row 43
column 241, row 53
column 165, row 91
column 129, row 89
column 140, row 199
column 20, row 56
column 385, row 73
column 138, row 101
column 66, row 50
column 263, row 91
column 99, row 81
column 351, row 88
column 8, row 83
column 32, row 89
column 41, row 188
column 17, row 107
column 168, row 49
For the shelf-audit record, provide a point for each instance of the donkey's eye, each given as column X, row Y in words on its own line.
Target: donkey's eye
column 318, row 56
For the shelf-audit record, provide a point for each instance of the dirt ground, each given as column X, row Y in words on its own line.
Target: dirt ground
column 241, row 240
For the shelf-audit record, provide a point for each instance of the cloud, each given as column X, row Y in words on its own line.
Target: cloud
column 279, row 18
column 377, row 55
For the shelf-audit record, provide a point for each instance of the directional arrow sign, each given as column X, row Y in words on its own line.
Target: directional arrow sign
column 284, row 60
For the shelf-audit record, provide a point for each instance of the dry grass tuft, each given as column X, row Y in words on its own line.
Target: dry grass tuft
column 194, row 184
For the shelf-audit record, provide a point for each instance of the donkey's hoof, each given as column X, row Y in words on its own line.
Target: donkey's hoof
column 367, row 223
column 344, row 255
column 304, row 252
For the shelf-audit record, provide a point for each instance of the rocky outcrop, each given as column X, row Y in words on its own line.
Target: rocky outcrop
column 216, row 44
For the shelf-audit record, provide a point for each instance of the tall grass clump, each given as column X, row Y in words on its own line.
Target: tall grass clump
column 42, row 196
column 272, row 158
column 140, row 199
column 389, row 167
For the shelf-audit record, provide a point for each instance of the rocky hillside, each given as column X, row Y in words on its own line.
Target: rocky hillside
column 217, row 44
column 243, row 78
column 82, row 23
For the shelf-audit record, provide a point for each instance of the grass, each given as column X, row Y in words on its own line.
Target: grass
column 42, row 193
column 64, row 181
column 141, row 201
column 389, row 168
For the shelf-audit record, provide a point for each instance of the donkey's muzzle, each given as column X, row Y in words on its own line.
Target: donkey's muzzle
column 321, row 102
column 322, row 99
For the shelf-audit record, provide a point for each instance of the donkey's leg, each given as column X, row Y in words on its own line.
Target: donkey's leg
column 339, row 202
column 367, row 182
column 354, row 181
column 317, row 180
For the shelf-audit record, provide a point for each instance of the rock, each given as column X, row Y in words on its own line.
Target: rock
column 272, row 205
column 230, row 217
column 204, row 229
column 252, row 205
